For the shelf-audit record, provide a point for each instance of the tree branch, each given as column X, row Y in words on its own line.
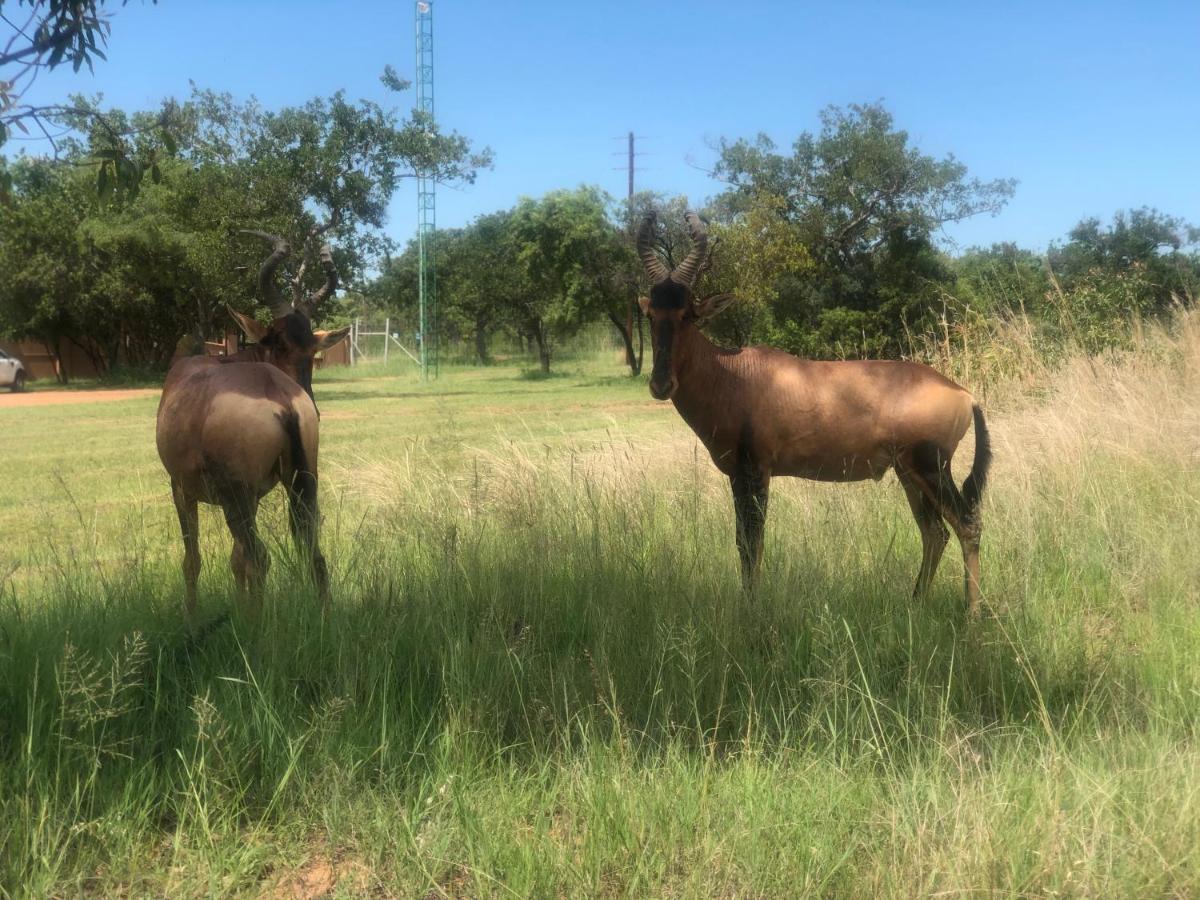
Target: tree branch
column 18, row 55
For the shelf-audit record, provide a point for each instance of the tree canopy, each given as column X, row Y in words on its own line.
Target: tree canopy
column 866, row 206
column 164, row 257
column 1089, row 287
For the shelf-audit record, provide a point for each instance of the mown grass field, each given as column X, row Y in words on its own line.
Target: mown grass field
column 539, row 676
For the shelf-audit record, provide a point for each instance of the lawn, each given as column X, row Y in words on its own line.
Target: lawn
column 539, row 676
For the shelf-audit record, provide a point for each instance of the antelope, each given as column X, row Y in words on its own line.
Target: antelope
column 761, row 412
column 230, row 428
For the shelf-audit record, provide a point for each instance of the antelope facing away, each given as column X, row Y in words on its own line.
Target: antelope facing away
column 231, row 428
column 762, row 412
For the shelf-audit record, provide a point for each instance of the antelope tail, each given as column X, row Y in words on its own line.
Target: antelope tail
column 972, row 489
column 304, row 481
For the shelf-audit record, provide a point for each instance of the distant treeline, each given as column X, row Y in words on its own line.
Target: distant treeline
column 832, row 246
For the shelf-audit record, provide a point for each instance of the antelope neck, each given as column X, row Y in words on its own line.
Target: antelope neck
column 257, row 353
column 253, row 353
column 707, row 376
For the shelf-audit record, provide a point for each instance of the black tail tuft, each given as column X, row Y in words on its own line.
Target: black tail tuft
column 303, row 486
column 302, row 503
column 972, row 489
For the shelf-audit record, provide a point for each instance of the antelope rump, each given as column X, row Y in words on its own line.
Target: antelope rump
column 231, row 428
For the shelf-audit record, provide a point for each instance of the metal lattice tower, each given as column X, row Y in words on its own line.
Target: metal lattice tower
column 426, row 196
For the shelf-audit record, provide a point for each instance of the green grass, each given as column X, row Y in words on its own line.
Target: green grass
column 539, row 676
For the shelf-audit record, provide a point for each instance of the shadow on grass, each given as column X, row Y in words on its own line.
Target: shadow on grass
column 328, row 395
column 540, row 375
column 617, row 381
column 533, row 657
column 512, row 660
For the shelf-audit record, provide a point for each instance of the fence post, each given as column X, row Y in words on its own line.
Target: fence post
column 387, row 338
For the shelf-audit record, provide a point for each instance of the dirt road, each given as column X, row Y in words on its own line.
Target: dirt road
column 55, row 398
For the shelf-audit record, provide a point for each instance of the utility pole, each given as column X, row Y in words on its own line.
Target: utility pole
column 631, row 155
column 635, row 365
column 633, row 313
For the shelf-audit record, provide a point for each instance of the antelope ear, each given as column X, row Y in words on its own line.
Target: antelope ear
column 327, row 339
column 253, row 329
column 644, row 303
column 710, row 306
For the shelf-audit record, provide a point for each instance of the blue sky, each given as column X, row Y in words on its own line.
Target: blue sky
column 1093, row 106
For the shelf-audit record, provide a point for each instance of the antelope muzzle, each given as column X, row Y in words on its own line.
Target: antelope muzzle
column 662, row 379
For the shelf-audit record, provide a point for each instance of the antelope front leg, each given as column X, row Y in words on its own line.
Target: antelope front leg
column 750, row 491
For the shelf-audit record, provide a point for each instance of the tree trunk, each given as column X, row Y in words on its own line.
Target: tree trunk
column 94, row 353
column 54, row 347
column 641, row 356
column 633, row 358
column 481, row 349
column 626, row 331
column 112, row 352
column 543, row 346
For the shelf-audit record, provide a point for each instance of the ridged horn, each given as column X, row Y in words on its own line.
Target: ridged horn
column 271, row 295
column 654, row 266
column 325, row 291
column 685, row 273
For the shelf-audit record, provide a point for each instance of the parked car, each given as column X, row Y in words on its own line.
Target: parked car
column 12, row 372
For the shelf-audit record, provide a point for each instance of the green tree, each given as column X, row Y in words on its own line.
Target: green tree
column 759, row 256
column 478, row 282
column 166, row 258
column 573, row 261
column 323, row 170
column 45, row 287
column 480, row 279
column 866, row 205
column 1155, row 248
column 1142, row 265
column 1090, row 287
column 1002, row 279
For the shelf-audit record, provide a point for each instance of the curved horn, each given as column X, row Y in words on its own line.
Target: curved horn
column 271, row 295
column 685, row 273
column 325, row 291
column 654, row 266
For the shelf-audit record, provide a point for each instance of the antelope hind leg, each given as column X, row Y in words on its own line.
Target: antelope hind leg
column 249, row 553
column 304, row 520
column 937, row 484
column 934, row 534
column 189, row 525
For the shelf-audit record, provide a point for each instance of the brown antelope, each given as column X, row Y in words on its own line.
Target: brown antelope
column 230, row 428
column 762, row 412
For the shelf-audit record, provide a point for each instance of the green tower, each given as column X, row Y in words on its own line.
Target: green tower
column 426, row 198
